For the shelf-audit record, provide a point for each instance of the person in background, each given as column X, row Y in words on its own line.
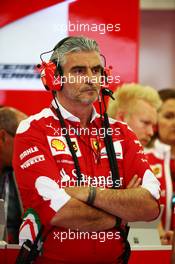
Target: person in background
column 50, row 167
column 162, row 160
column 136, row 105
column 9, row 121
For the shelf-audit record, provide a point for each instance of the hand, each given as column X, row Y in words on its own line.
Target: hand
column 80, row 193
column 134, row 182
column 167, row 238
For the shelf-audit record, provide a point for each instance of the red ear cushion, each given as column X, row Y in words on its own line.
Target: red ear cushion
column 50, row 81
column 108, row 78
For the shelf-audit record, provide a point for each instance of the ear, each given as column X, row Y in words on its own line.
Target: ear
column 120, row 116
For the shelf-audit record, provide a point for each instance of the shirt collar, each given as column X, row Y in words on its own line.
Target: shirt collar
column 161, row 148
column 67, row 115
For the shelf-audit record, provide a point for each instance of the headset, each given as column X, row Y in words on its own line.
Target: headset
column 51, row 72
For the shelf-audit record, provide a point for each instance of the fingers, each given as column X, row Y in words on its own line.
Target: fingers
column 167, row 238
column 134, row 182
column 164, row 241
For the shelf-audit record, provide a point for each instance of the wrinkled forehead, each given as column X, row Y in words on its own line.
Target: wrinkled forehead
column 168, row 105
column 142, row 107
column 83, row 58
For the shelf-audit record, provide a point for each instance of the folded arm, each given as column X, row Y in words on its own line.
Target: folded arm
column 134, row 204
column 78, row 215
column 84, row 217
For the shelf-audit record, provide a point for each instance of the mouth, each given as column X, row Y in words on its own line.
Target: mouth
column 90, row 89
column 145, row 141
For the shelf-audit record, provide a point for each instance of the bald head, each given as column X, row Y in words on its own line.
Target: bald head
column 9, row 120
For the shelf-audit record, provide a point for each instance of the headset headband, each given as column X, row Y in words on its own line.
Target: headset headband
column 60, row 43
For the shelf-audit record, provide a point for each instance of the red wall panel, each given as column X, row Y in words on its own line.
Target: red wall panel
column 119, row 47
column 30, row 102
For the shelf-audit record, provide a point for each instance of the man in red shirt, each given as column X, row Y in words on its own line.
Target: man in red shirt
column 9, row 120
column 162, row 160
column 50, row 164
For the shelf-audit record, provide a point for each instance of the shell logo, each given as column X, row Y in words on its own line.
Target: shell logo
column 157, row 170
column 58, row 144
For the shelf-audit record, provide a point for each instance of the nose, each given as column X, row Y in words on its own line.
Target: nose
column 90, row 76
